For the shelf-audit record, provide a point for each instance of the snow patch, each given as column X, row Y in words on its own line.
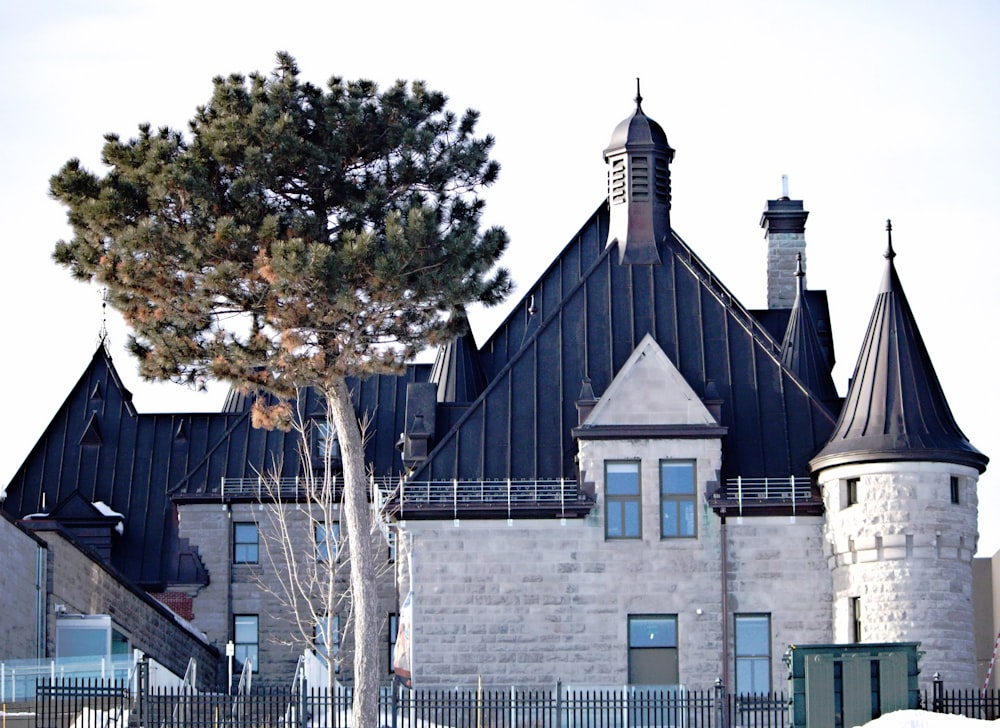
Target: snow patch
column 926, row 719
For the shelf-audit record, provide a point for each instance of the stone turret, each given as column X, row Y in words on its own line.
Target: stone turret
column 899, row 486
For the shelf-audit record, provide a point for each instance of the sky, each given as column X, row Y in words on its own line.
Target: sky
column 874, row 109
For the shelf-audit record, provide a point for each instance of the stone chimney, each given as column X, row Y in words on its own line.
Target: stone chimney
column 784, row 223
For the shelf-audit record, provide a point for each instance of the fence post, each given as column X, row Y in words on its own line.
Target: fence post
column 303, row 690
column 720, row 703
column 141, row 690
column 559, row 721
column 937, row 701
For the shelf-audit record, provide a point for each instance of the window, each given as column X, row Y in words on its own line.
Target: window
column 753, row 654
column 954, row 490
column 652, row 650
column 677, row 499
column 326, row 640
column 393, row 630
column 391, row 537
column 622, row 501
column 83, row 636
column 854, row 606
column 246, row 543
column 327, row 540
column 325, row 443
column 246, row 639
column 851, row 492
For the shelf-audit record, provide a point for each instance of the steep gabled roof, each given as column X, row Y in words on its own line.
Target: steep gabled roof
column 590, row 313
column 895, row 408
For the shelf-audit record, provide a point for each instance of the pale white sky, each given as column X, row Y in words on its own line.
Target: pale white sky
column 873, row 109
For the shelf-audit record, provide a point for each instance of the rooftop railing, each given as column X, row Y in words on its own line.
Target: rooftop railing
column 745, row 493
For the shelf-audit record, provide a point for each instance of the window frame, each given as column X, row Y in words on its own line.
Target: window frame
column 955, row 486
column 670, row 651
column 851, row 488
column 244, row 545
column 623, row 503
column 321, row 545
column 248, row 648
column 680, row 499
column 855, row 623
column 750, row 657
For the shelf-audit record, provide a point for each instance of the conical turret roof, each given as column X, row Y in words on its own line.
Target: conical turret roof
column 802, row 351
column 895, row 408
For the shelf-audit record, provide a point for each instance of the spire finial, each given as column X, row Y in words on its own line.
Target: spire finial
column 798, row 265
column 889, row 252
column 638, row 96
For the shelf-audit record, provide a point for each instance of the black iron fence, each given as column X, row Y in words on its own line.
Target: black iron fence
column 81, row 702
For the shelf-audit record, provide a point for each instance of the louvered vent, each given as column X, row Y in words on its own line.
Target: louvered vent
column 640, row 178
column 616, row 181
column 661, row 180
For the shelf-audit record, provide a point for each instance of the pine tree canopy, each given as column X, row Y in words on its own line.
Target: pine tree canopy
column 293, row 234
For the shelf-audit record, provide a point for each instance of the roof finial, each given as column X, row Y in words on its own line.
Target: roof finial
column 638, row 96
column 889, row 252
column 784, row 186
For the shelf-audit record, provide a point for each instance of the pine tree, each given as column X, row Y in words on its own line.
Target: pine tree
column 293, row 236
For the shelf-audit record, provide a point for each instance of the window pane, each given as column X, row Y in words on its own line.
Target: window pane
column 670, row 521
column 677, row 478
column 753, row 635
column 614, row 520
column 245, row 543
column 245, row 638
column 652, row 632
column 623, row 478
column 687, row 518
column 631, row 519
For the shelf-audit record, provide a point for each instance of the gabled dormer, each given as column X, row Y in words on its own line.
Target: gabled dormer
column 649, row 450
column 638, row 157
column 90, row 524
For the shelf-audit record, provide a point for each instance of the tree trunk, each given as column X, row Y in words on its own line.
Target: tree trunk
column 357, row 517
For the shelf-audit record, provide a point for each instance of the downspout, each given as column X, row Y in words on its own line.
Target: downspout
column 724, row 579
column 41, row 606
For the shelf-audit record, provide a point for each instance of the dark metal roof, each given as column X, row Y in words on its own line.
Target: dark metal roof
column 142, row 463
column 802, row 351
column 637, row 130
column 895, row 408
column 457, row 372
column 583, row 318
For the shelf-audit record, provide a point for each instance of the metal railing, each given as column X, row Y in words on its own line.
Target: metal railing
column 292, row 489
column 792, row 492
column 510, row 495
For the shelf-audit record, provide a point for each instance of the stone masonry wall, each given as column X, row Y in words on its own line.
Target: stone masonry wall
column 531, row 602
column 906, row 551
column 777, row 566
column 255, row 589
column 86, row 586
column 19, row 627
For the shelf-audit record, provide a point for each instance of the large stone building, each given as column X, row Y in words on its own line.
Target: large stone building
column 635, row 479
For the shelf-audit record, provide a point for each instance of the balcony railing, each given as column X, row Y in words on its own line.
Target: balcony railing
column 497, row 495
column 296, row 489
column 789, row 495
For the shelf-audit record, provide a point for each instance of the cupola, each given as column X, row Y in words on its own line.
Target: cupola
column 638, row 187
